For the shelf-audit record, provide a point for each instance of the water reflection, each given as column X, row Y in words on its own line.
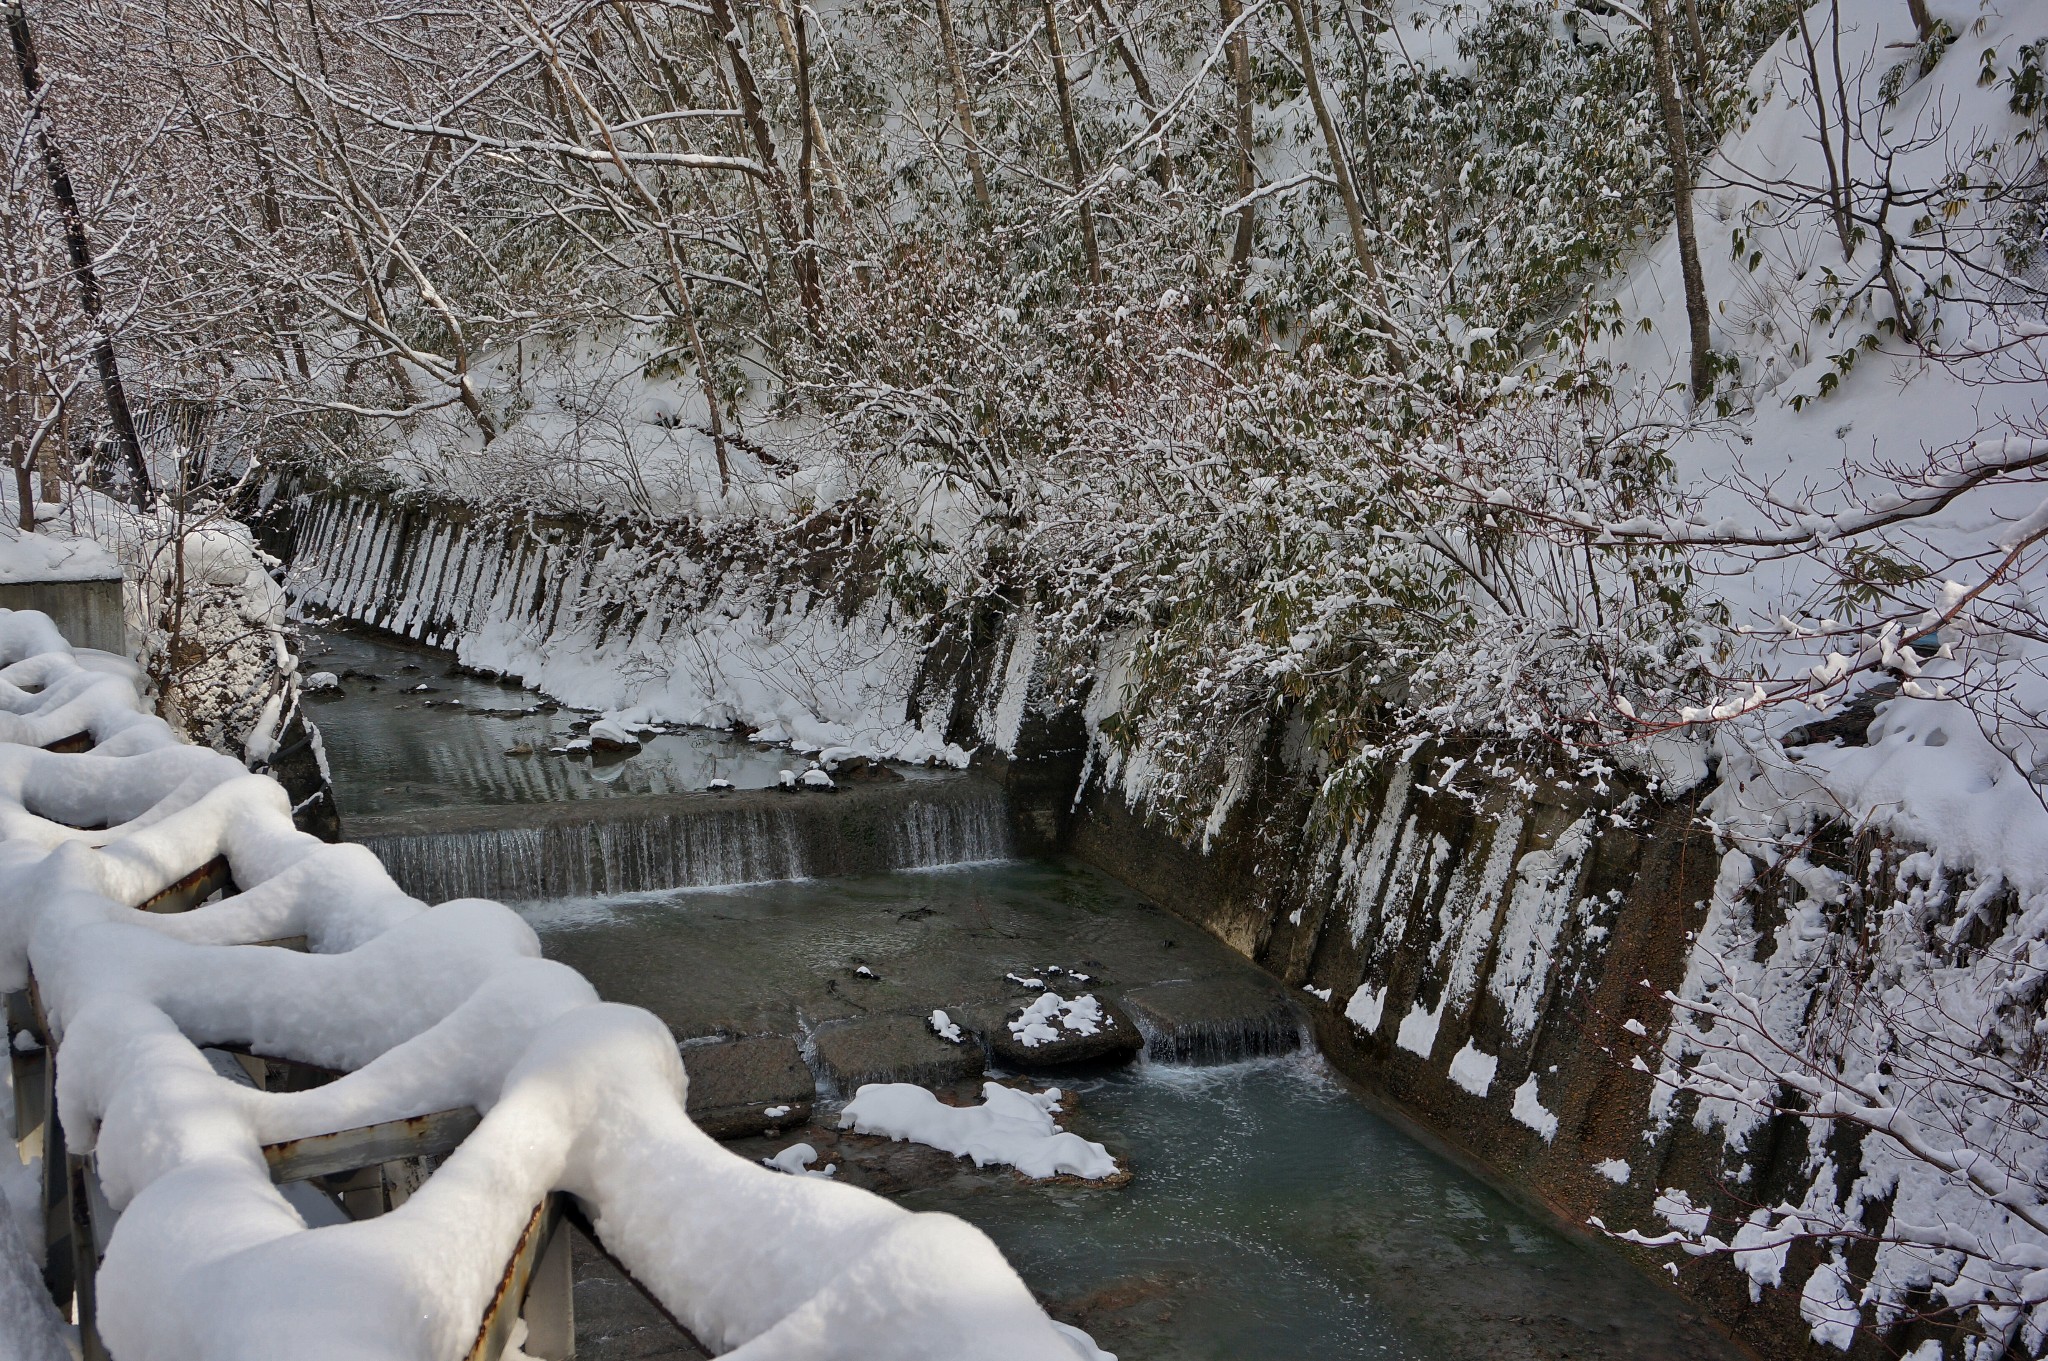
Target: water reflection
column 396, row 747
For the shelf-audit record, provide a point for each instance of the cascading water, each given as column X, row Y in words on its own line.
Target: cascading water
column 465, row 788
column 633, row 845
column 1223, row 1040
column 1208, row 1023
column 951, row 831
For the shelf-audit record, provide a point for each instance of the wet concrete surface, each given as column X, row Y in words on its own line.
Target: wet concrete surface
column 1270, row 1214
column 853, row 967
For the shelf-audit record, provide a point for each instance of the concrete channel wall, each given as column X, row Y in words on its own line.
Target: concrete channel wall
column 1531, row 932
column 89, row 613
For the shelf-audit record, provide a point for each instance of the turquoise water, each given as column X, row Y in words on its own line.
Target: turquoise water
column 1274, row 1215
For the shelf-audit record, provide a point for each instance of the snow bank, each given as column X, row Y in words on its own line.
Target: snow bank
column 423, row 1009
column 1008, row 1129
column 55, row 557
column 648, row 632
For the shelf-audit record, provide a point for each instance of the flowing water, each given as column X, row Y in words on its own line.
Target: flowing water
column 1273, row 1214
column 632, row 845
column 466, row 788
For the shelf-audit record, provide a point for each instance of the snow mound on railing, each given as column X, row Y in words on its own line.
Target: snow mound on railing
column 426, row 1008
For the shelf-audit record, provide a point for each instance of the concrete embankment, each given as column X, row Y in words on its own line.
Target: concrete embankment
column 1490, row 962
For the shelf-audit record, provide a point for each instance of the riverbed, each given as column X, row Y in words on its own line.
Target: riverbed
column 1272, row 1213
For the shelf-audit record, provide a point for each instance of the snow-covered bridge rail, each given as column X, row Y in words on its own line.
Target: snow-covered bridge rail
column 285, row 1110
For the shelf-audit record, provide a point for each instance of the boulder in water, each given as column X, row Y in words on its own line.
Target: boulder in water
column 611, row 739
column 860, row 770
column 747, row 1086
column 1056, row 1032
column 893, row 1049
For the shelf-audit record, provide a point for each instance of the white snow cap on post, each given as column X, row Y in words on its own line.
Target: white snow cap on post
column 424, row 1009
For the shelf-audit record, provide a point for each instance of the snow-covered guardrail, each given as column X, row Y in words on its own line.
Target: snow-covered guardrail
column 189, row 1066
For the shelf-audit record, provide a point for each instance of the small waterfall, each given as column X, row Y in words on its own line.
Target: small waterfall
column 1213, row 1022
column 952, row 831
column 628, row 845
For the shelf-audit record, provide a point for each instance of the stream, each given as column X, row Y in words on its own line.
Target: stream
column 1273, row 1213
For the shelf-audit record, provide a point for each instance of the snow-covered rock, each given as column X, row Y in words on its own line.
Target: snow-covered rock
column 1054, row 1031
column 1010, row 1128
column 610, row 738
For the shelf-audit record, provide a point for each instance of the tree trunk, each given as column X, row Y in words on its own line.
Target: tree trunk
column 1702, row 63
column 1838, row 188
column 14, row 387
column 811, row 116
column 686, row 308
column 50, row 460
column 1241, row 89
column 1076, row 166
column 118, row 414
column 726, row 30
column 1679, row 153
column 1162, row 165
column 963, row 105
column 1922, row 20
column 1340, row 164
column 808, row 151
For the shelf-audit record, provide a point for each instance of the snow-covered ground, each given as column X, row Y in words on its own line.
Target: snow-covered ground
column 424, row 1008
column 700, row 644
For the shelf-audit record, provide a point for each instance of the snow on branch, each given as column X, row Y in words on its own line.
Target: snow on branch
column 1887, row 995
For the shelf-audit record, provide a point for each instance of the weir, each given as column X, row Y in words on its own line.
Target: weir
column 1215, row 1021
column 632, row 845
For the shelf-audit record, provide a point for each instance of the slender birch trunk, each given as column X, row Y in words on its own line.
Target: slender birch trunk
column 755, row 114
column 1340, row 164
column 1127, row 52
column 963, row 104
column 812, row 118
column 1241, row 90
